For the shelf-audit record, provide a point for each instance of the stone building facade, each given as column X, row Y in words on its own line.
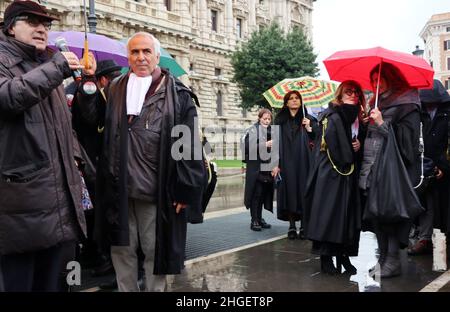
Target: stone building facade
column 200, row 35
column 436, row 37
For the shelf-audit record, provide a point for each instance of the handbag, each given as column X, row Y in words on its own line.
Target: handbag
column 391, row 198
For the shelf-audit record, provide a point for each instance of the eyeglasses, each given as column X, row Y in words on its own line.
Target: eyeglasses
column 350, row 92
column 34, row 21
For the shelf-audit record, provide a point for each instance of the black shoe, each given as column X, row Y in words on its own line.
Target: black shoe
column 105, row 269
column 301, row 234
column 255, row 226
column 327, row 266
column 141, row 283
column 345, row 262
column 264, row 224
column 292, row 233
column 109, row 285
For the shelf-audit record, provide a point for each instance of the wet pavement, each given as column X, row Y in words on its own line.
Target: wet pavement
column 234, row 258
column 286, row 265
column 229, row 192
column 223, row 254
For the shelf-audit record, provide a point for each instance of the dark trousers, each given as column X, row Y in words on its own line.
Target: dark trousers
column 42, row 270
column 260, row 191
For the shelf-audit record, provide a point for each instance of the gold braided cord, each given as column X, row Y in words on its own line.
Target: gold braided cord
column 324, row 147
column 352, row 167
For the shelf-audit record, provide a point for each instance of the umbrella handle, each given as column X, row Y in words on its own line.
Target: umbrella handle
column 303, row 109
column 378, row 85
column 86, row 55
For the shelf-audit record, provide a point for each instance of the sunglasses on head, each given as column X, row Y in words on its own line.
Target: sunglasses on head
column 350, row 92
column 34, row 21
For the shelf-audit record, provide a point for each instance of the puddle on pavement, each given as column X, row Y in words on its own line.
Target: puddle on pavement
column 229, row 193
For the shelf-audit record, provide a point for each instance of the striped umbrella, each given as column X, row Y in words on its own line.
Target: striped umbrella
column 316, row 93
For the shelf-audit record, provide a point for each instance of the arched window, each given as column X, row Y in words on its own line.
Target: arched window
column 219, row 103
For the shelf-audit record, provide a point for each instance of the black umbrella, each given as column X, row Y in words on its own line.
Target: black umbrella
column 436, row 95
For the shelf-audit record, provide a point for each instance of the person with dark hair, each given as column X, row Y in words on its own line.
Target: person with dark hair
column 259, row 183
column 90, row 135
column 434, row 116
column 296, row 131
column 398, row 111
column 333, row 222
column 41, row 215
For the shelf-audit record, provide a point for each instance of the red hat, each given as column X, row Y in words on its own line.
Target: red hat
column 20, row 8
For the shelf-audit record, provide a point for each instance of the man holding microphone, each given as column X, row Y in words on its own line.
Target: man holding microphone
column 41, row 217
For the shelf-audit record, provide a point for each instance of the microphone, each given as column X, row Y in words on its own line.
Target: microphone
column 61, row 44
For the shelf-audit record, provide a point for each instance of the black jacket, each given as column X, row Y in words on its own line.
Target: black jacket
column 178, row 180
column 255, row 141
column 294, row 163
column 435, row 137
column 332, row 213
column 40, row 185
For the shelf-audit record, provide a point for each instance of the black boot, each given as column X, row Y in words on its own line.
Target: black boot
column 292, row 233
column 264, row 224
column 301, row 233
column 255, row 226
column 345, row 262
column 327, row 266
column 382, row 252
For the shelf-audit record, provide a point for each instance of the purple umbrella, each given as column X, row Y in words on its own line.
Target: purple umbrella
column 103, row 47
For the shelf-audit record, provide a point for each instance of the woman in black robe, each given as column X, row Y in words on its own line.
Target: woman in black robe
column 333, row 215
column 258, row 176
column 398, row 112
column 295, row 133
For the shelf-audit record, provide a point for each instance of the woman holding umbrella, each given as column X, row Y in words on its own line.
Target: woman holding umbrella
column 397, row 111
column 294, row 152
column 333, row 222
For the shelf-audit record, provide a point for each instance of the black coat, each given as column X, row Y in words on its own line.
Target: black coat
column 332, row 213
column 40, row 186
column 178, row 181
column 253, row 141
column 435, row 136
column 294, row 163
column 401, row 110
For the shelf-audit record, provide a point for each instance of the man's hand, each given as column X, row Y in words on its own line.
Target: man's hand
column 179, row 206
column 91, row 66
column 72, row 59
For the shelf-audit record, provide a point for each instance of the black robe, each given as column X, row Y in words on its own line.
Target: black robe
column 332, row 213
column 178, row 180
column 294, row 163
column 253, row 166
column 401, row 110
column 435, row 136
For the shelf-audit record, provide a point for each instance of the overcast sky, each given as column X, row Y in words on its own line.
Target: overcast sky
column 359, row 24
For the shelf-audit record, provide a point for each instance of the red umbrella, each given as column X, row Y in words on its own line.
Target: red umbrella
column 357, row 64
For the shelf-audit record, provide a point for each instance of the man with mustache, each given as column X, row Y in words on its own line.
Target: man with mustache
column 41, row 217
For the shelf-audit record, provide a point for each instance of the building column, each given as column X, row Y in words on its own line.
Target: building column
column 182, row 8
column 229, row 20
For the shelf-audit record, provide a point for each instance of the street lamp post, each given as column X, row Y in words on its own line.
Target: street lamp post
column 92, row 20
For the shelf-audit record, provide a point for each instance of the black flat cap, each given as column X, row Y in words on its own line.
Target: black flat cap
column 20, row 8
